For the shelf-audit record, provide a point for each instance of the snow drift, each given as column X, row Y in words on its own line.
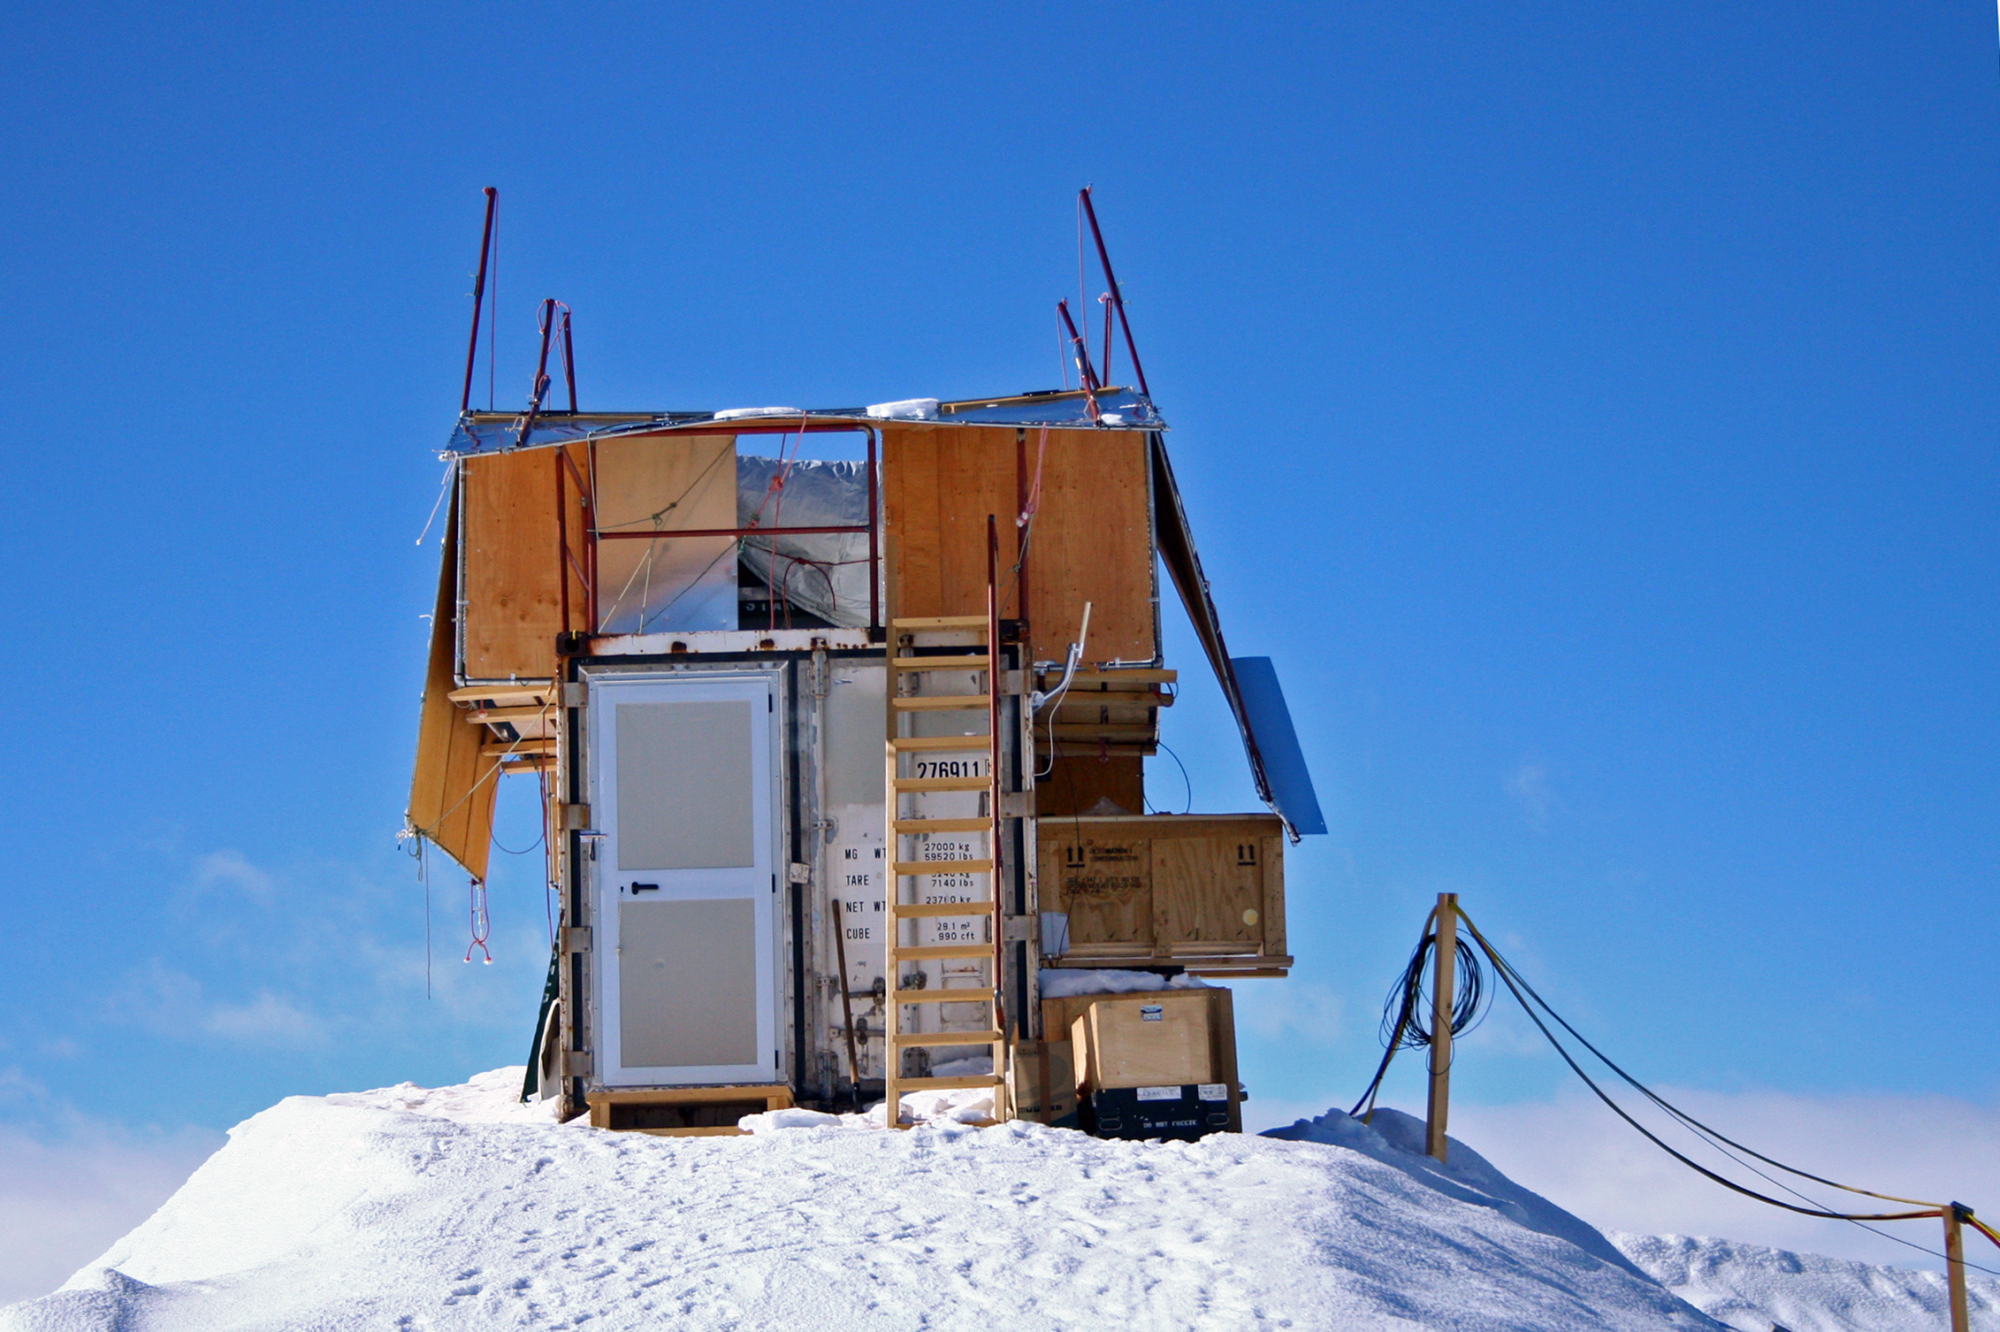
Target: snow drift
column 458, row 1209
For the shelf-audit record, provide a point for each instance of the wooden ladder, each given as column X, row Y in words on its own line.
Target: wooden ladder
column 907, row 662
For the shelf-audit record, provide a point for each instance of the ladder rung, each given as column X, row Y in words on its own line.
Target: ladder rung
column 969, row 744
column 943, row 867
column 940, row 622
column 934, row 952
column 902, row 1085
column 950, row 1038
column 927, row 910
column 939, row 702
column 943, row 825
column 967, row 996
column 978, row 663
column 911, row 785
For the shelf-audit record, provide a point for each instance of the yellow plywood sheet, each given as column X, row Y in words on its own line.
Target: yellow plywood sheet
column 1093, row 541
column 513, row 596
column 453, row 786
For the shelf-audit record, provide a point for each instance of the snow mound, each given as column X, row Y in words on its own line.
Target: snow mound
column 455, row 1209
column 1752, row 1288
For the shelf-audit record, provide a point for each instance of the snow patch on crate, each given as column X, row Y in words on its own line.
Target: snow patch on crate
column 909, row 409
column 1063, row 983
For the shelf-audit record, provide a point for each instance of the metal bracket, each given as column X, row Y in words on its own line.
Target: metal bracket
column 578, row 1064
column 575, row 694
column 576, row 818
column 798, row 873
column 1017, row 804
column 1020, row 929
column 576, row 939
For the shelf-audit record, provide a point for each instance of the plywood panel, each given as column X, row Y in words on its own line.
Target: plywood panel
column 1100, row 878
column 666, row 483
column 511, row 560
column 1078, row 785
column 1208, row 889
column 1093, row 541
column 453, row 786
column 939, row 484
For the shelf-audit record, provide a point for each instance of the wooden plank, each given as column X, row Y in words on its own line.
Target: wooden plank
column 941, row 825
column 943, row 867
column 1136, row 678
column 1093, row 542
column 943, row 663
column 949, row 1038
column 913, row 785
column 950, row 743
column 940, row 703
column 777, row 1095
column 488, row 716
column 502, row 695
column 910, row 522
column 452, row 785
column 917, row 622
column 935, row 910
column 936, row 952
column 503, row 749
column 947, row 1084
column 1101, row 879
column 1274, row 895
column 1077, row 785
column 511, row 592
column 972, row 996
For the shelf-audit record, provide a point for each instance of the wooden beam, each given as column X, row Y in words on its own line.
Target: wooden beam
column 1444, row 975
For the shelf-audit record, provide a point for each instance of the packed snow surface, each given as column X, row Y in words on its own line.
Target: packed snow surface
column 460, row 1208
column 1753, row 1288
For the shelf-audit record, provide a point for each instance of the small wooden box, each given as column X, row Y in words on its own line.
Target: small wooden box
column 1151, row 1040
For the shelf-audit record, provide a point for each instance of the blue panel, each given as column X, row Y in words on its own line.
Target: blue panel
column 1278, row 744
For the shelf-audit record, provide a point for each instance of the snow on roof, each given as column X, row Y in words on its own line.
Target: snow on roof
column 1118, row 408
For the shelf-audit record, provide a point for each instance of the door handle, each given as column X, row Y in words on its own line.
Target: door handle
column 645, row 888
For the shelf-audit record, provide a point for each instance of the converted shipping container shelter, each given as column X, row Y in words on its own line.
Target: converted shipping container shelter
column 824, row 739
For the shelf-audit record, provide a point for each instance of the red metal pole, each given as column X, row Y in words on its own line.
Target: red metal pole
column 569, row 358
column 1082, row 357
column 478, row 298
column 1104, row 257
column 541, row 373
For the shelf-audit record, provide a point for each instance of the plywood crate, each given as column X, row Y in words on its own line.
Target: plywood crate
column 1193, row 1042
column 1041, row 1082
column 1205, row 891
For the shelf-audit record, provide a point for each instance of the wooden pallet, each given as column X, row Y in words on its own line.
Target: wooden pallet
column 608, row 1108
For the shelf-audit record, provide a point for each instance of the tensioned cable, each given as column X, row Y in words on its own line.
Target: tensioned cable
column 1509, row 978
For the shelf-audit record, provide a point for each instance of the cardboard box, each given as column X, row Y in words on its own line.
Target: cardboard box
column 1041, row 1082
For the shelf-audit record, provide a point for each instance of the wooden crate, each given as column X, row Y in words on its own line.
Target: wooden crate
column 632, row 1110
column 1219, row 1019
column 1205, row 892
column 1041, row 1082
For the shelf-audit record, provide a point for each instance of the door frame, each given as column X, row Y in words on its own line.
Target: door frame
column 606, row 689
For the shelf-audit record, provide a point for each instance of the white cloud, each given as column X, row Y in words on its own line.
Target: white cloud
column 173, row 1003
column 1300, row 1010
column 1529, row 785
column 73, row 1184
column 229, row 869
column 1581, row 1156
column 266, row 1019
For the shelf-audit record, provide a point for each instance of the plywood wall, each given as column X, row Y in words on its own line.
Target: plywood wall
column 453, row 787
column 510, row 593
column 1092, row 537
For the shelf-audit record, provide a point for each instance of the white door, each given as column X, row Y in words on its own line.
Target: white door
column 684, row 784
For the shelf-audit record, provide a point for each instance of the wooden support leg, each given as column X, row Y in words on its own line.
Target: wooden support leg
column 1954, row 1266
column 1444, row 964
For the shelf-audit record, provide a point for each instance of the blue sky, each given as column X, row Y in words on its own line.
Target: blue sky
column 1591, row 409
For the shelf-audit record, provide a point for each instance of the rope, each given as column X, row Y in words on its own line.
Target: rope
column 482, row 922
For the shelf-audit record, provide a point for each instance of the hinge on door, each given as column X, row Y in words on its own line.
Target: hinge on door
column 575, row 694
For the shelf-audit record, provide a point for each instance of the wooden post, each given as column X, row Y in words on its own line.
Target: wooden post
column 1954, row 1265
column 1444, row 972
